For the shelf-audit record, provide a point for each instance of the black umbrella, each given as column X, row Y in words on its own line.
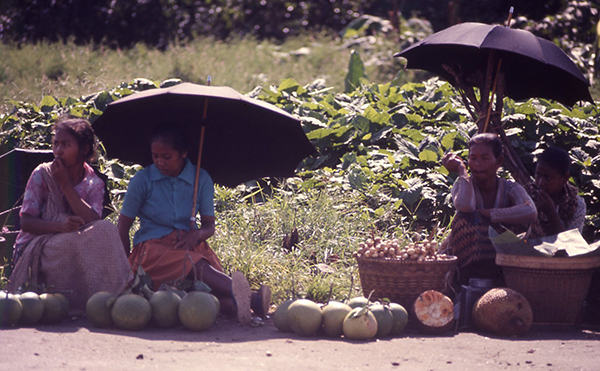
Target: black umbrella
column 244, row 139
column 16, row 166
column 532, row 66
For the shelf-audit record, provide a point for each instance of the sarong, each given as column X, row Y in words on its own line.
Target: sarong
column 77, row 264
column 166, row 265
column 469, row 241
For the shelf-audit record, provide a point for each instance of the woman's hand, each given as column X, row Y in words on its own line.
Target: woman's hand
column 77, row 204
column 485, row 213
column 71, row 223
column 60, row 173
column 188, row 239
column 545, row 203
column 40, row 226
column 191, row 238
column 454, row 163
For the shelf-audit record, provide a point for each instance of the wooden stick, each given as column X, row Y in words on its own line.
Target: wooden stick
column 193, row 216
column 466, row 91
column 485, row 91
column 489, row 112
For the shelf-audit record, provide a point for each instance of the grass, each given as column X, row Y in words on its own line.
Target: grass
column 31, row 71
column 330, row 225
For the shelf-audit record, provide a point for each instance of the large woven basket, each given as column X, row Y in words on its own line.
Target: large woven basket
column 402, row 281
column 555, row 287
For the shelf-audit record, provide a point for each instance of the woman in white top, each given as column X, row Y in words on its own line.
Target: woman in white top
column 482, row 199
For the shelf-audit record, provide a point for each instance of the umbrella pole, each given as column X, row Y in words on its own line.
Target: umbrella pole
column 489, row 111
column 489, row 108
column 198, row 163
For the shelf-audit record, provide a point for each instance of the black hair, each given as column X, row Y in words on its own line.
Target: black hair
column 82, row 131
column 171, row 134
column 558, row 158
column 489, row 139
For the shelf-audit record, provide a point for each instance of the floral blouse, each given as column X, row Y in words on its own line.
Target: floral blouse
column 90, row 189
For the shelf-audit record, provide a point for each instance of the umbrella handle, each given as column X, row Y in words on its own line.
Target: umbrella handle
column 199, row 162
column 489, row 112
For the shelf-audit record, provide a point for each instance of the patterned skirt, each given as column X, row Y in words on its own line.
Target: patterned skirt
column 164, row 264
column 469, row 241
column 78, row 264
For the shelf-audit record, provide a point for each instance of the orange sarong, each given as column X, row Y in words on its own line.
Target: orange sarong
column 164, row 264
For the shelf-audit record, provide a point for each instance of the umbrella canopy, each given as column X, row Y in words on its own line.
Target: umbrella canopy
column 533, row 67
column 16, row 166
column 244, row 138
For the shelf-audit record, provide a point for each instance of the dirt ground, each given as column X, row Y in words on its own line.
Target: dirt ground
column 77, row 345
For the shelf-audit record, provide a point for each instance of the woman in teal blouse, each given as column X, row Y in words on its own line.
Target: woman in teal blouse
column 165, row 245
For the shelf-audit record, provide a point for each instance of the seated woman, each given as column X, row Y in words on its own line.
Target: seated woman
column 63, row 242
column 482, row 200
column 559, row 206
column 166, row 246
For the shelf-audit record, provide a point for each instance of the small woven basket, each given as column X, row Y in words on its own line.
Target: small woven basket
column 402, row 281
column 554, row 287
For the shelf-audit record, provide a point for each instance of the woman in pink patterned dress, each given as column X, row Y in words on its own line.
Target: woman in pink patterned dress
column 63, row 242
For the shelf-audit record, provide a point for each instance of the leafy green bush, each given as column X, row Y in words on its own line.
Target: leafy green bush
column 377, row 170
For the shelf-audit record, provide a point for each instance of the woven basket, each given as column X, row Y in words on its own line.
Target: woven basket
column 555, row 287
column 402, row 281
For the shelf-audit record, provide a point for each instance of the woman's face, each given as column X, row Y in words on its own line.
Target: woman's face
column 549, row 179
column 169, row 161
column 482, row 162
column 66, row 148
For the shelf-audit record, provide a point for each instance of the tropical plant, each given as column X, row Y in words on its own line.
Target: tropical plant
column 377, row 171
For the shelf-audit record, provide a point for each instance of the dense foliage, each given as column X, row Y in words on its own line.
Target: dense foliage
column 381, row 141
column 161, row 22
column 379, row 145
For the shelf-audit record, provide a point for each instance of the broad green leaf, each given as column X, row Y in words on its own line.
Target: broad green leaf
column 361, row 124
column 356, row 71
column 381, row 118
column 428, row 156
column 414, row 118
column 202, row 287
column 448, row 140
column 48, row 103
column 291, row 86
column 415, row 135
column 320, row 133
column 406, row 148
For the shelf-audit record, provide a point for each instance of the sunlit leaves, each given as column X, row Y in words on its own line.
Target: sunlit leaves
column 381, row 141
column 356, row 72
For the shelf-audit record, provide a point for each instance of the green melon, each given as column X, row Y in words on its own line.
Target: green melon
column 198, row 311
column 360, row 324
column 131, row 312
column 280, row 317
column 305, row 317
column 33, row 308
column 11, row 310
column 98, row 309
column 165, row 308
column 333, row 318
